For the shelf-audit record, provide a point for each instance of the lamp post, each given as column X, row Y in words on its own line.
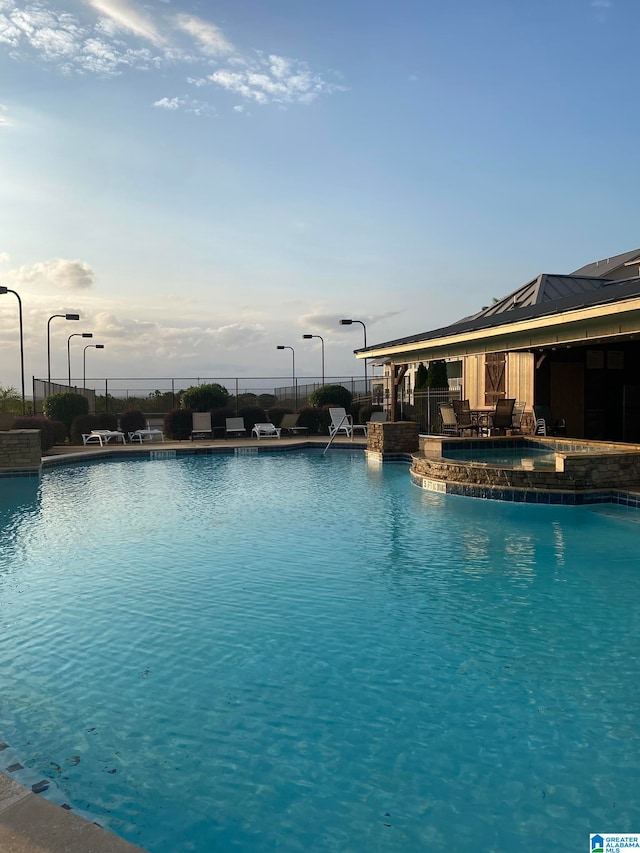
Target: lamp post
column 293, row 362
column 84, row 361
column 52, row 317
column 308, row 338
column 349, row 323
column 8, row 290
column 74, row 335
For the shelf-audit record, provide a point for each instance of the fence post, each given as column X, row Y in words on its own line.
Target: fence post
column 106, row 395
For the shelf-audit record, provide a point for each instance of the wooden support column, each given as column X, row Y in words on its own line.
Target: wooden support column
column 399, row 371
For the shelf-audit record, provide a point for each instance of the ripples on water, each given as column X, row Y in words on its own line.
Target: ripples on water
column 301, row 652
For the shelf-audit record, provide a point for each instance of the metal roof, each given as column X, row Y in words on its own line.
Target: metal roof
column 545, row 295
column 604, row 267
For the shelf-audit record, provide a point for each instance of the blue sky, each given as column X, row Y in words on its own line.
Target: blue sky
column 204, row 181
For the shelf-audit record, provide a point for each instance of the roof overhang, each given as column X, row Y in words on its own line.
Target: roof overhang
column 615, row 319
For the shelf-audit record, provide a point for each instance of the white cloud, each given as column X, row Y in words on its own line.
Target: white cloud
column 237, row 335
column 4, row 257
column 102, row 47
column 70, row 275
column 4, row 121
column 185, row 103
column 207, row 35
column 125, row 17
column 274, row 79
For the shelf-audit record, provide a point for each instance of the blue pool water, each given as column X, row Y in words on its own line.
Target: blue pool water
column 528, row 457
column 300, row 652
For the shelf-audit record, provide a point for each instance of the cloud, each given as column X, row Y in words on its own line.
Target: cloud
column 4, row 121
column 189, row 105
column 123, row 16
column 4, row 258
column 123, row 37
column 601, row 9
column 237, row 335
column 207, row 35
column 70, row 275
column 274, row 79
column 331, row 322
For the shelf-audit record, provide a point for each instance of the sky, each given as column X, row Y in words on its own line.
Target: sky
column 203, row 181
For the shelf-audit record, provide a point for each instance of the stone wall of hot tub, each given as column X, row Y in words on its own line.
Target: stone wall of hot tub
column 392, row 439
column 20, row 449
column 580, row 466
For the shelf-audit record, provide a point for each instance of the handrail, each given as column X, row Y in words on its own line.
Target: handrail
column 345, row 417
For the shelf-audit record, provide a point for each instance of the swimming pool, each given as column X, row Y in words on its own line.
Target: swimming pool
column 303, row 652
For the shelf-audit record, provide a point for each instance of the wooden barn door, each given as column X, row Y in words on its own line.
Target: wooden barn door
column 494, row 377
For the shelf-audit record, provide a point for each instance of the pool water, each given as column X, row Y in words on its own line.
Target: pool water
column 506, row 458
column 302, row 652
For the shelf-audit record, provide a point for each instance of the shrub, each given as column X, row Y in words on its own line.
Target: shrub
column 422, row 377
column 107, row 420
column 178, row 423
column 365, row 413
column 83, row 424
column 203, row 398
column 59, row 432
column 331, row 395
column 310, row 417
column 131, row 420
column 251, row 416
column 45, row 425
column 65, row 407
column 437, row 376
column 275, row 414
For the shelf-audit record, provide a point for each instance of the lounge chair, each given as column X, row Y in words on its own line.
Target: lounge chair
column 449, row 419
column 516, row 419
column 147, row 434
column 265, row 431
column 289, row 423
column 342, row 422
column 201, row 425
column 234, row 426
column 102, row 436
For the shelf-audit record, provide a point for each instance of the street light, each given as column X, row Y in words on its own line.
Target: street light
column 293, row 357
column 348, row 323
column 8, row 290
column 308, row 338
column 74, row 335
column 84, row 361
column 52, row 317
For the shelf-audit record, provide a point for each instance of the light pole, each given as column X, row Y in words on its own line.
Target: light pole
column 74, row 335
column 8, row 290
column 308, row 338
column 293, row 357
column 52, row 317
column 84, row 361
column 348, row 323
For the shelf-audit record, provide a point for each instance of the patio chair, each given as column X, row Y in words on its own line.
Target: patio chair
column 201, row 425
column 462, row 409
column 545, row 423
column 234, row 426
column 340, row 422
column 289, row 423
column 265, row 431
column 516, row 418
column 449, row 419
column 502, row 417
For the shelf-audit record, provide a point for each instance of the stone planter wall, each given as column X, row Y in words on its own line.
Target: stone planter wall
column 20, row 449
column 391, row 439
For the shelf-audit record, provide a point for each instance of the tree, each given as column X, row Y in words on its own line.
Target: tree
column 331, row 395
column 422, row 376
column 437, row 375
column 65, row 407
column 203, row 398
column 10, row 400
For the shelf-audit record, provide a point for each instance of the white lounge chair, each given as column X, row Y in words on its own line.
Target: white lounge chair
column 147, row 434
column 289, row 423
column 340, row 422
column 102, row 436
column 265, row 431
column 234, row 426
column 201, row 425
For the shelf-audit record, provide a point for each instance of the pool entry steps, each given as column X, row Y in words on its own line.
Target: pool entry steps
column 530, row 470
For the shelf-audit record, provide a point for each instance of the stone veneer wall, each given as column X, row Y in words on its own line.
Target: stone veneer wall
column 392, row 438
column 574, row 471
column 20, row 448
